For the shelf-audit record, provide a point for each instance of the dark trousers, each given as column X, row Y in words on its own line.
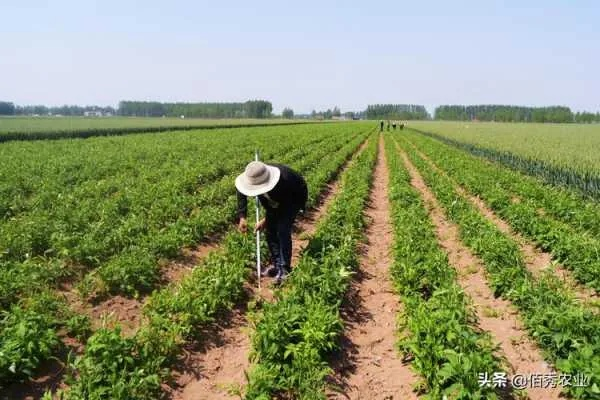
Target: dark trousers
column 279, row 235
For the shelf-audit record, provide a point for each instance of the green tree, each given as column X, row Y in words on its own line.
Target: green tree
column 504, row 113
column 287, row 113
column 249, row 109
column 7, row 108
column 396, row 111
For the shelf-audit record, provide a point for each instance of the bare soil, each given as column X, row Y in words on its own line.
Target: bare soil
column 218, row 370
column 50, row 376
column 496, row 316
column 174, row 271
column 370, row 367
column 537, row 260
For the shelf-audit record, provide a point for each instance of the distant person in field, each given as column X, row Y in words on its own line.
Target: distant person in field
column 402, row 126
column 283, row 193
column 388, row 125
column 381, row 126
column 394, row 125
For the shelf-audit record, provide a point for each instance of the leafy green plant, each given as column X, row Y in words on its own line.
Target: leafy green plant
column 559, row 154
column 564, row 328
column 131, row 272
column 293, row 336
column 437, row 328
column 114, row 368
column 27, row 337
column 180, row 311
column 564, row 230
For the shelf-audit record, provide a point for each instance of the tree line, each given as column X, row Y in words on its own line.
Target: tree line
column 264, row 109
column 327, row 114
column 248, row 109
column 9, row 108
column 505, row 113
column 586, row 117
column 396, row 111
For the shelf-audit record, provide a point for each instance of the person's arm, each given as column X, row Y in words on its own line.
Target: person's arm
column 242, row 210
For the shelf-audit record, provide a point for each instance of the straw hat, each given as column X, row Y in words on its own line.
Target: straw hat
column 257, row 179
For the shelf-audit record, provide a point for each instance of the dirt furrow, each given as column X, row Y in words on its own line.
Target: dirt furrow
column 217, row 371
column 127, row 311
column 495, row 315
column 370, row 366
column 537, row 261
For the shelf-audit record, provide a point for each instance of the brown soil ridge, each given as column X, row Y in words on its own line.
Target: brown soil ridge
column 218, row 370
column 127, row 311
column 495, row 315
column 50, row 376
column 370, row 366
column 115, row 310
column 537, row 261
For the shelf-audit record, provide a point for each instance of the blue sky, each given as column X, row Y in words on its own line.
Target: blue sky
column 305, row 55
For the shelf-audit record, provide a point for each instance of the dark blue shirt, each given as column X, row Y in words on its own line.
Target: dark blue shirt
column 290, row 191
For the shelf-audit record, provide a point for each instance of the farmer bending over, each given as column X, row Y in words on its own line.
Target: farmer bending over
column 283, row 193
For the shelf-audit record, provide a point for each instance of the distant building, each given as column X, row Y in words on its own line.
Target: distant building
column 93, row 114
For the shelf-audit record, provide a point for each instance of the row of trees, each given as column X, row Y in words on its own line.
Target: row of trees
column 249, row 109
column 264, row 109
column 327, row 114
column 396, row 111
column 335, row 113
column 8, row 108
column 586, row 117
column 503, row 113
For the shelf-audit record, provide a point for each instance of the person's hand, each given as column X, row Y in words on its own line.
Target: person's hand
column 243, row 225
column 260, row 226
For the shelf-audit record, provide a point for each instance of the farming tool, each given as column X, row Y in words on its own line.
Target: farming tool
column 258, row 271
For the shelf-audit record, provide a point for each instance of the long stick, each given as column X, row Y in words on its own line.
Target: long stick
column 257, row 232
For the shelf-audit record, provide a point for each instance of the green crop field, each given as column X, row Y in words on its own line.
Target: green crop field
column 572, row 150
column 122, row 275
column 49, row 124
column 32, row 128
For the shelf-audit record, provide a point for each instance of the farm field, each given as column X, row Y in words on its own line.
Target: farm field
column 564, row 154
column 31, row 128
column 420, row 271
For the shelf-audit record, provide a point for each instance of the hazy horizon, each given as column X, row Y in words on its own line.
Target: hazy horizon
column 314, row 56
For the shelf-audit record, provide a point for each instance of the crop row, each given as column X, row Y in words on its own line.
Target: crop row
column 123, row 368
column 578, row 250
column 585, row 180
column 122, row 209
column 564, row 329
column 213, row 210
column 438, row 323
column 52, row 133
column 293, row 335
column 31, row 277
column 562, row 204
column 130, row 270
